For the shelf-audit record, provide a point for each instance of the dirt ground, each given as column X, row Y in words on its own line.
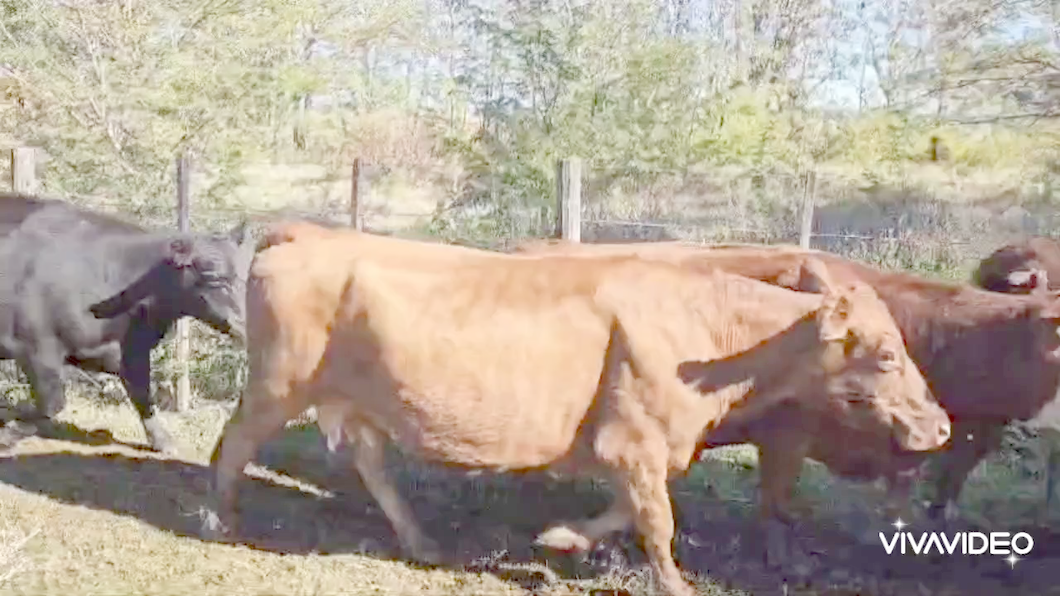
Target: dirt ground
column 86, row 516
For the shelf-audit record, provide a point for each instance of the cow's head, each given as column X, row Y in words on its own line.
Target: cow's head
column 1044, row 315
column 869, row 380
column 200, row 276
column 847, row 360
column 1026, row 281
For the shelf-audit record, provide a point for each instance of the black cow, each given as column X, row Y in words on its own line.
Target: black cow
column 60, row 264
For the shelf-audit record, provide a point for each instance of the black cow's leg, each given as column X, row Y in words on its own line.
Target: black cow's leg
column 970, row 444
column 44, row 366
column 136, row 376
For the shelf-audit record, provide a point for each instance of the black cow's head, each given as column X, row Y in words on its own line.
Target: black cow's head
column 200, row 276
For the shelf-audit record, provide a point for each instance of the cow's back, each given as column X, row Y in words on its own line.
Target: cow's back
column 955, row 346
column 951, row 329
column 15, row 208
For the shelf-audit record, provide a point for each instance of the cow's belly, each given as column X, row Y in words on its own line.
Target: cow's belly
column 493, row 420
column 502, row 397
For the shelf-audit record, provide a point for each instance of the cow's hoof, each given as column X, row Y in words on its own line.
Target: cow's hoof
column 564, row 539
column 12, row 433
column 215, row 530
column 427, row 552
column 159, row 438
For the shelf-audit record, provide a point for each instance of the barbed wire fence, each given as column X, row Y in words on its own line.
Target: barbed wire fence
column 894, row 228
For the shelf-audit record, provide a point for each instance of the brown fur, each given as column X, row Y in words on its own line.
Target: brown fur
column 1029, row 266
column 988, row 358
column 582, row 366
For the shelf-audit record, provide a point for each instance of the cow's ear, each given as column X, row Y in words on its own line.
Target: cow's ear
column 814, row 277
column 180, row 253
column 240, row 234
column 833, row 317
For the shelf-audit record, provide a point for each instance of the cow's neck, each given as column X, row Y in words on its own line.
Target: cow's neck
column 747, row 382
column 135, row 262
column 134, row 256
column 764, row 361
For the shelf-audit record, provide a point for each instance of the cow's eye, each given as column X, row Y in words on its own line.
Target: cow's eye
column 888, row 359
column 211, row 279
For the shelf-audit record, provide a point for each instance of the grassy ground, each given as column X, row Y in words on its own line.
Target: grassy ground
column 82, row 519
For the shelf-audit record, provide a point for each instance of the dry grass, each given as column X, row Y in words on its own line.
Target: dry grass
column 113, row 519
column 13, row 560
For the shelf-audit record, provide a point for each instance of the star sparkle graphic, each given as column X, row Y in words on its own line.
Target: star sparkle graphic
column 1012, row 559
column 899, row 524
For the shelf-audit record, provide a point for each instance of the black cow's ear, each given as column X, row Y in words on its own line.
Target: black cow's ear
column 180, row 251
column 240, row 234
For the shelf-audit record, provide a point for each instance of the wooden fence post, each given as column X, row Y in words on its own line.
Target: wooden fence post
column 569, row 199
column 23, row 170
column 359, row 190
column 809, row 200
column 183, row 340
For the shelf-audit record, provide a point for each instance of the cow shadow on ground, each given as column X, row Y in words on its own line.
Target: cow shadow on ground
column 12, row 431
column 475, row 518
column 472, row 523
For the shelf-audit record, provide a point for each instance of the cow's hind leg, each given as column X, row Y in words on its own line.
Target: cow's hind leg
column 369, row 458
column 244, row 432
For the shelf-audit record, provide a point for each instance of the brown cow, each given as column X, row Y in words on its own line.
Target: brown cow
column 581, row 366
column 953, row 331
column 1022, row 268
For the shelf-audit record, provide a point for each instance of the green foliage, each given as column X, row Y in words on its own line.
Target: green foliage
column 477, row 101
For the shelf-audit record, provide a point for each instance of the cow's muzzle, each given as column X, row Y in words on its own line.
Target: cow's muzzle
column 927, row 434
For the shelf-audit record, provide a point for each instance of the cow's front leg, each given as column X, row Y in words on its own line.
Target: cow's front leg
column 369, row 459
column 1049, row 443
column 970, row 444
column 136, row 376
column 898, row 502
column 638, row 457
column 641, row 476
column 780, row 458
column 43, row 364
